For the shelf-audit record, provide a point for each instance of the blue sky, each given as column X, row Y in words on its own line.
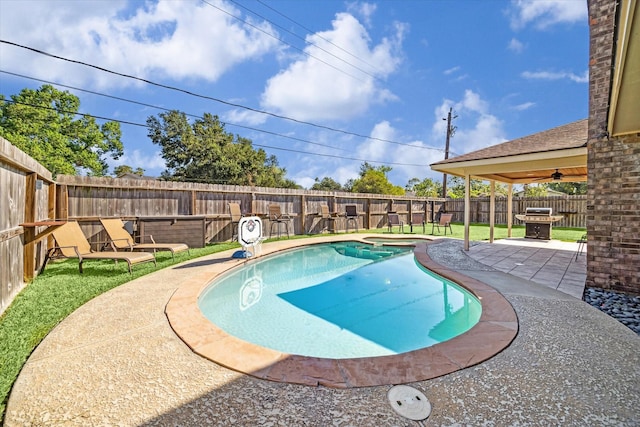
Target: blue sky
column 372, row 81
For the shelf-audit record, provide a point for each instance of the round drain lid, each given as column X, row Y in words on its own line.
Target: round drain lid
column 409, row 402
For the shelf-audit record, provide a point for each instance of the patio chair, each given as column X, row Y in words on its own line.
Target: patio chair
column 394, row 220
column 328, row 220
column 445, row 221
column 276, row 218
column 417, row 218
column 582, row 243
column 236, row 216
column 120, row 239
column 351, row 213
column 72, row 243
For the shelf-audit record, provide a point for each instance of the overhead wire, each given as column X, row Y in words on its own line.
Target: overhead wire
column 303, row 39
column 293, row 138
column 173, row 88
column 252, row 143
column 313, row 32
column 282, row 41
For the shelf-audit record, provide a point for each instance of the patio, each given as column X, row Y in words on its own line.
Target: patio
column 116, row 361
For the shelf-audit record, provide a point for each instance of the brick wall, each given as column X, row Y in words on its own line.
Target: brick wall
column 613, row 210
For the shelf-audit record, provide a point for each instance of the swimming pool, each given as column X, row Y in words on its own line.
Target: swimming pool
column 496, row 329
column 340, row 300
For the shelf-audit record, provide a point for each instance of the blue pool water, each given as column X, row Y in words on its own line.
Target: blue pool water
column 339, row 300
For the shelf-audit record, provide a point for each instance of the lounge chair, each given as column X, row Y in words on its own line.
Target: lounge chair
column 120, row 239
column 71, row 243
column 445, row 221
column 351, row 213
column 236, row 216
column 276, row 217
column 394, row 220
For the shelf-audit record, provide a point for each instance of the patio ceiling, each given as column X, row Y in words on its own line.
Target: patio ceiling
column 625, row 84
column 531, row 159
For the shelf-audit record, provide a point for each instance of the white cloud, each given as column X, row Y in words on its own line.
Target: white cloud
column 175, row 39
column 475, row 126
column 375, row 149
column 321, row 87
column 451, row 70
column 364, row 10
column 524, row 106
column 153, row 164
column 549, row 75
column 515, row 46
column 545, row 13
column 246, row 117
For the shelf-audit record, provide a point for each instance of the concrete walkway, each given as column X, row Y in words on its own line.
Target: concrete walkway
column 116, row 361
column 551, row 263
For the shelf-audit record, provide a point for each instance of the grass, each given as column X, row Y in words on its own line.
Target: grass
column 480, row 232
column 55, row 294
column 60, row 290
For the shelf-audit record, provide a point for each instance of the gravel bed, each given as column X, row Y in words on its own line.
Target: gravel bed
column 622, row 307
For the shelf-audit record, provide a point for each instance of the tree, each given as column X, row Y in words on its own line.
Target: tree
column 43, row 124
column 205, row 152
column 569, row 187
column 374, row 180
column 425, row 188
column 538, row 190
column 327, row 184
column 122, row 170
column 479, row 188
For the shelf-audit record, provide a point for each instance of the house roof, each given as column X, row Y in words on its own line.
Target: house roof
column 533, row 158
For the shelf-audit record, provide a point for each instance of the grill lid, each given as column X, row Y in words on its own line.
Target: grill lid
column 538, row 211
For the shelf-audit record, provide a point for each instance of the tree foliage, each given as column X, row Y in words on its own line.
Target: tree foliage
column 479, row 188
column 203, row 151
column 374, row 180
column 43, row 123
column 327, row 184
column 425, row 188
column 122, row 170
column 569, row 187
column 536, row 190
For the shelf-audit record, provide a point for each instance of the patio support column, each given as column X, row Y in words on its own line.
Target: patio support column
column 492, row 210
column 509, row 209
column 467, row 208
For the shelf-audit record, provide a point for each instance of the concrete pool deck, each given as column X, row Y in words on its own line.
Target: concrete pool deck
column 116, row 361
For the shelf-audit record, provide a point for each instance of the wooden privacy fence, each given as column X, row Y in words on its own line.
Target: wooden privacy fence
column 156, row 205
column 572, row 208
column 192, row 213
column 26, row 199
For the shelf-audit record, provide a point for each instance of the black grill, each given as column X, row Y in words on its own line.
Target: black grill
column 538, row 222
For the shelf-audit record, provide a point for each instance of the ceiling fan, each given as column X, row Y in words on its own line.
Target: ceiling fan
column 557, row 175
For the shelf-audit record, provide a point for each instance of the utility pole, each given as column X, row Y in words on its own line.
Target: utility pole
column 451, row 130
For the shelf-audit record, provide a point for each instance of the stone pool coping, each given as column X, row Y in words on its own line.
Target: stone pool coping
column 496, row 329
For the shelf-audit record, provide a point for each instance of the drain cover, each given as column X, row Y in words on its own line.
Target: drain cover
column 409, row 402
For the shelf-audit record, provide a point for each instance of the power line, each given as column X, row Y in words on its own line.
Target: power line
column 303, row 39
column 314, row 32
column 252, row 143
column 74, row 61
column 284, row 42
column 293, row 138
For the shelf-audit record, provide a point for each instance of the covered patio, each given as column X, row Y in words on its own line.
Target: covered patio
column 554, row 155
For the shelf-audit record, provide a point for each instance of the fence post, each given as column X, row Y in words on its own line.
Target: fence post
column 29, row 232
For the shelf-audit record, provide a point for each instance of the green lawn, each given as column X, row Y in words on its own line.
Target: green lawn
column 480, row 232
column 57, row 292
